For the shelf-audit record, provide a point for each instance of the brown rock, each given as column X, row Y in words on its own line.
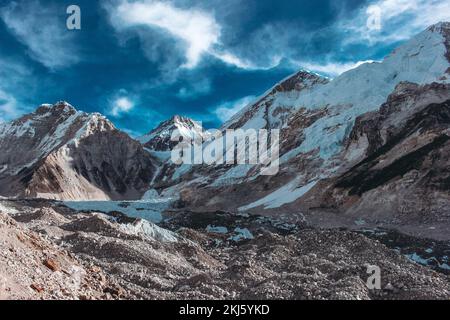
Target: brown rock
column 37, row 288
column 52, row 265
column 95, row 269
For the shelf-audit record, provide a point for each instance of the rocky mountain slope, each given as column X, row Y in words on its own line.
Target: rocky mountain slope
column 406, row 154
column 58, row 152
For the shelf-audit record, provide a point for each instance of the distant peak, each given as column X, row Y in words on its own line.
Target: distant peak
column 63, row 103
column 178, row 118
column 60, row 106
column 175, row 120
column 158, row 139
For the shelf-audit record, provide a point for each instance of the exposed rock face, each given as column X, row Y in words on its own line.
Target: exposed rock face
column 408, row 101
column 444, row 29
column 406, row 167
column 60, row 153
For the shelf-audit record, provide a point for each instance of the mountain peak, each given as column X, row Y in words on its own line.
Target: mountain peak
column 59, row 107
column 299, row 81
column 181, row 119
column 440, row 27
column 158, row 139
column 175, row 121
column 56, row 123
column 65, row 109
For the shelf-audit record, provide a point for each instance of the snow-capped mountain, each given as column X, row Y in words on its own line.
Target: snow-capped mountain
column 345, row 142
column 159, row 139
column 422, row 60
column 317, row 118
column 59, row 152
column 316, row 114
column 266, row 113
column 158, row 143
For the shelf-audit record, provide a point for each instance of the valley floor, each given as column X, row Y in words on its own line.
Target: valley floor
column 50, row 251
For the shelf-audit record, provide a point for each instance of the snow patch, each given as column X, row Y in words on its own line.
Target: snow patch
column 214, row 229
column 8, row 209
column 150, row 210
column 427, row 262
column 233, row 175
column 241, row 234
column 287, row 194
column 148, row 229
column 180, row 171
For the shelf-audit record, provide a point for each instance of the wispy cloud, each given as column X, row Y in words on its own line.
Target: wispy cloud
column 121, row 103
column 40, row 28
column 227, row 110
column 194, row 89
column 399, row 21
column 8, row 106
column 197, row 29
column 120, row 106
column 14, row 79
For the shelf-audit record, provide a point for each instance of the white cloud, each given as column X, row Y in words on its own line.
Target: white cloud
column 197, row 29
column 227, row 110
column 15, row 79
column 120, row 106
column 8, row 106
column 234, row 60
column 39, row 28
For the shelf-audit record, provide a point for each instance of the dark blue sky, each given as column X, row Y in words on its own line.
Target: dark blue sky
column 139, row 62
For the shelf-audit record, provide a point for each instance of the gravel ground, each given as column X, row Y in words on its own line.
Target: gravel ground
column 48, row 251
